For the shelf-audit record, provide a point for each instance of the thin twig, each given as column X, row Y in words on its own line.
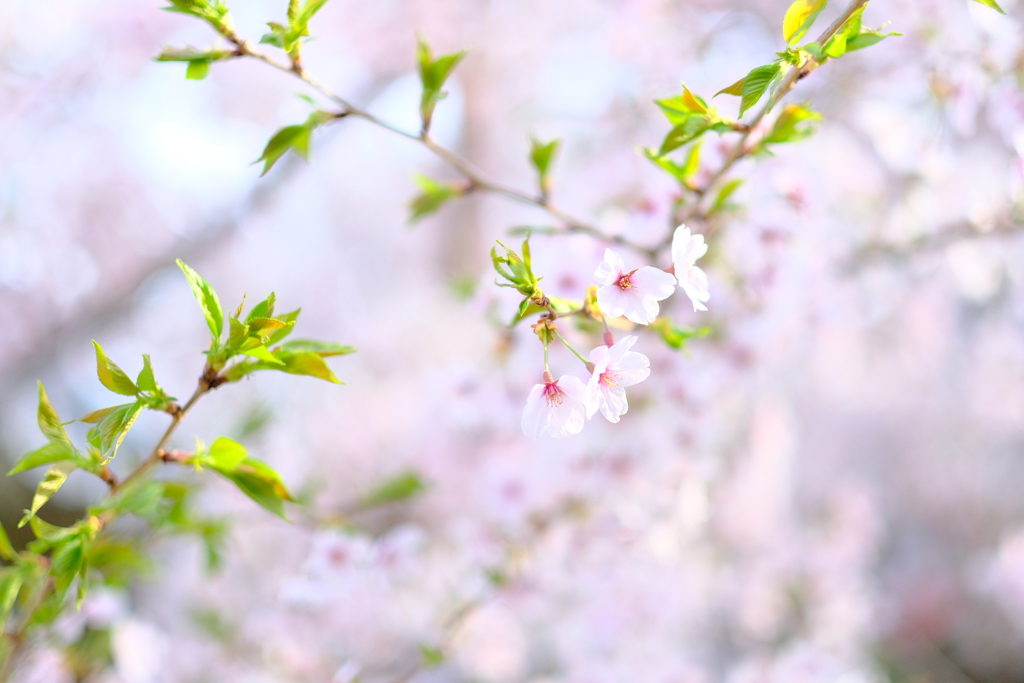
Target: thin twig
column 476, row 178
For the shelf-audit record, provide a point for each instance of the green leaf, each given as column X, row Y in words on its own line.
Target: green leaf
column 320, row 348
column 799, row 18
column 867, row 39
column 111, row 376
column 991, row 3
column 722, row 198
column 197, row 70
column 433, row 75
column 677, row 337
column 198, row 60
column 308, row 10
column 237, row 333
column 115, row 425
column 11, row 580
column 756, row 82
column 692, row 163
column 310, row 364
column 815, row 50
column 681, row 108
column 264, row 309
column 49, row 422
column 685, row 132
column 402, row 486
column 734, row 89
column 260, row 482
column 433, row 196
column 541, row 154
column 146, row 381
column 55, row 451
column 215, row 12
column 517, row 271
column 432, row 656
column 263, row 353
column 51, row 483
column 289, row 137
column 287, row 329
column 226, row 454
column 141, row 498
column 50, row 534
column 6, row 549
column 795, row 123
column 262, row 329
column 208, row 301
column 68, row 562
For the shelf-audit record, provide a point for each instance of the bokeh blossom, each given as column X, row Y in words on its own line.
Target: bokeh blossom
column 686, row 249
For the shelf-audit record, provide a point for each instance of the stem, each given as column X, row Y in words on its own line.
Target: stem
column 206, row 382
column 574, row 351
column 547, row 369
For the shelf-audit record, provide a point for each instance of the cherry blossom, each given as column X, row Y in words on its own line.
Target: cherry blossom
column 634, row 294
column 555, row 407
column 686, row 249
column 615, row 369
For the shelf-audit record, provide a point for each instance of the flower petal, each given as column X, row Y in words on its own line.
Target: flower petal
column 611, row 300
column 654, row 282
column 599, row 353
column 695, row 284
column 614, row 404
column 637, row 308
column 620, row 348
column 574, row 388
column 633, row 369
column 686, row 248
column 535, row 414
column 610, row 269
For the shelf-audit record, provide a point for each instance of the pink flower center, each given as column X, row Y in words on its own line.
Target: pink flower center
column 625, row 281
column 552, row 394
column 609, row 379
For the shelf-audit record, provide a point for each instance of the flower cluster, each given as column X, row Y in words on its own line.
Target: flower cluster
column 560, row 407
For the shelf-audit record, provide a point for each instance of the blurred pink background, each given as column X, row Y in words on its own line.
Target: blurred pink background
column 827, row 489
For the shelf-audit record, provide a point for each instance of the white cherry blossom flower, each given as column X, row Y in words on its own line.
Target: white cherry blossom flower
column 555, row 407
column 615, row 369
column 686, row 249
column 634, row 294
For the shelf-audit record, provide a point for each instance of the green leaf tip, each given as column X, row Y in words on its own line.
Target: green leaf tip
column 992, row 4
column 799, row 18
column 111, row 376
column 208, row 301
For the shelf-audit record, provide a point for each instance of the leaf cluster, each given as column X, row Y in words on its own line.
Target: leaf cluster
column 289, row 37
column 800, row 17
column 215, row 12
column 256, row 342
column 434, row 72
column 433, row 195
column 517, row 271
column 296, row 138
